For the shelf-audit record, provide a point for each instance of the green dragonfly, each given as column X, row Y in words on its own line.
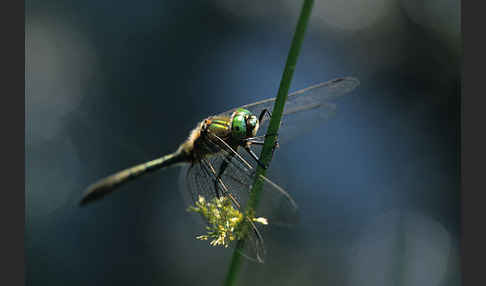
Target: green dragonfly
column 218, row 152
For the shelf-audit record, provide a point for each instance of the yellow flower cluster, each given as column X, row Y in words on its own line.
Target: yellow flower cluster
column 225, row 223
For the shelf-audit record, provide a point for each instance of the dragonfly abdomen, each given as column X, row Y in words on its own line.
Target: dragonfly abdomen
column 110, row 183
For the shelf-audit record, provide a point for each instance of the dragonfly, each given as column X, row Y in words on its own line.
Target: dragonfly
column 219, row 160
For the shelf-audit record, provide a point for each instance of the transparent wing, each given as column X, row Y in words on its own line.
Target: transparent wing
column 275, row 204
column 314, row 100
column 230, row 173
column 254, row 247
column 204, row 178
column 200, row 180
column 307, row 98
column 207, row 178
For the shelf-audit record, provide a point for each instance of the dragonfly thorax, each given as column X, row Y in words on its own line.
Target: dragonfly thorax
column 219, row 132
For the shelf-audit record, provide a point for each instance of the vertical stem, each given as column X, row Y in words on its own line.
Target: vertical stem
column 235, row 265
column 270, row 139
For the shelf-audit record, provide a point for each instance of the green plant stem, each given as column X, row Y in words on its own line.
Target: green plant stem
column 271, row 137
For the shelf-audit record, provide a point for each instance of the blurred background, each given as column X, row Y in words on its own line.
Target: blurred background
column 110, row 84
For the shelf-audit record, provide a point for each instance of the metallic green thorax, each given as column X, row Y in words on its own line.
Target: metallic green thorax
column 220, row 126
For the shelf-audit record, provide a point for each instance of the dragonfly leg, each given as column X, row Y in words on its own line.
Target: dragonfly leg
column 254, row 156
column 218, row 179
column 208, row 169
column 262, row 114
column 223, row 167
column 254, row 140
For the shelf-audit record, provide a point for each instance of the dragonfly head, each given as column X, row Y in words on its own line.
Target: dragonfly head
column 244, row 124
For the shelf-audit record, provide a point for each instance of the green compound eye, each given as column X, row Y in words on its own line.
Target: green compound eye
column 243, row 111
column 252, row 122
column 238, row 126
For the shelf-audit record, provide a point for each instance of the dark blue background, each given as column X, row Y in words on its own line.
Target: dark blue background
column 110, row 84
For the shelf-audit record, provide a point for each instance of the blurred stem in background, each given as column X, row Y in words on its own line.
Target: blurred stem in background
column 271, row 136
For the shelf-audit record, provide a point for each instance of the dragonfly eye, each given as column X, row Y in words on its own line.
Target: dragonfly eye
column 238, row 126
column 252, row 125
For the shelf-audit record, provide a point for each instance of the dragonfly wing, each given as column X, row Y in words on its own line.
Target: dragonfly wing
column 199, row 179
column 253, row 248
column 295, row 124
column 275, row 203
column 197, row 182
column 307, row 98
column 236, row 180
column 316, row 100
column 186, row 184
column 238, row 177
